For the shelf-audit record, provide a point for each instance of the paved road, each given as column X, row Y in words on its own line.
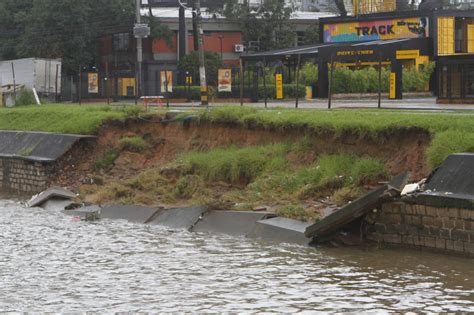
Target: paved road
column 414, row 103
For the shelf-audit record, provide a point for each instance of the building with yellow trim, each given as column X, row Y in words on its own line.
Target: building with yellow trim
column 397, row 39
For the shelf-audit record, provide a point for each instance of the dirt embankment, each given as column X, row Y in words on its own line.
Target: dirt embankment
column 400, row 149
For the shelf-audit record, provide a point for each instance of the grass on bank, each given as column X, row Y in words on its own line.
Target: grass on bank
column 63, row 118
column 451, row 132
column 251, row 176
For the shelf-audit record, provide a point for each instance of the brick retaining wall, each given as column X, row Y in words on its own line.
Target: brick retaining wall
column 23, row 176
column 416, row 225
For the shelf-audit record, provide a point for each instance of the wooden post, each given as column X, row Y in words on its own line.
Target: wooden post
column 241, row 83
column 79, row 92
column 107, row 82
column 14, row 82
column 56, row 84
column 166, row 89
column 380, row 83
column 330, row 84
column 265, row 82
column 297, row 79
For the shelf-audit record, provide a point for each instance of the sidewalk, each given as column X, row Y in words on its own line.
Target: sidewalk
column 405, row 104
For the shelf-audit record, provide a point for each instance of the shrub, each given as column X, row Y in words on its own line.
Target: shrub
column 25, row 97
column 182, row 92
column 296, row 212
column 235, row 165
column 107, row 161
column 187, row 186
column 309, row 74
column 135, row 144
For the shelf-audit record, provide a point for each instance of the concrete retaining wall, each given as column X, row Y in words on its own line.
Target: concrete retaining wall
column 449, row 230
column 23, row 176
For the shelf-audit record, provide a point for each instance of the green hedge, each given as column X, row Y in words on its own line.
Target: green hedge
column 289, row 91
column 366, row 80
column 182, row 92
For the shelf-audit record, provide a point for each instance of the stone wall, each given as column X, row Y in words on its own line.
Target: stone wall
column 421, row 226
column 23, row 176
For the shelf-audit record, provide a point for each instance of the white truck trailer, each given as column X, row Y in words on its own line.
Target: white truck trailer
column 44, row 75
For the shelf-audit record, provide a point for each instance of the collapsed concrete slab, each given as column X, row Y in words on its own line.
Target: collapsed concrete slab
column 281, row 230
column 455, row 176
column 234, row 223
column 56, row 193
column 89, row 213
column 180, row 218
column 131, row 213
column 358, row 207
column 56, row 204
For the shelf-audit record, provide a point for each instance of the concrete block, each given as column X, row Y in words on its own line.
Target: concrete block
column 392, row 238
column 230, row 222
column 429, row 241
column 469, row 247
column 420, row 209
column 281, row 230
column 453, row 212
column 466, row 214
column 432, row 211
column 131, row 213
column 180, row 218
column 460, row 235
column 408, row 239
column 418, row 241
column 458, row 246
column 53, row 192
column 407, row 219
column 445, row 233
column 416, row 220
column 449, row 244
column 440, row 243
column 443, row 212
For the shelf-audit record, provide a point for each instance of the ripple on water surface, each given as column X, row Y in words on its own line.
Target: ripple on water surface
column 50, row 263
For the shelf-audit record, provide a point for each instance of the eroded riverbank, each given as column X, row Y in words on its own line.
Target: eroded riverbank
column 51, row 263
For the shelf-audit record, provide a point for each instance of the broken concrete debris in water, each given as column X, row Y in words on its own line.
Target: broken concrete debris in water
column 88, row 213
column 137, row 214
column 357, row 208
column 424, row 201
column 57, row 193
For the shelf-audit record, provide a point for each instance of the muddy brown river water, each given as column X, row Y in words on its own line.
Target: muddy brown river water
column 48, row 262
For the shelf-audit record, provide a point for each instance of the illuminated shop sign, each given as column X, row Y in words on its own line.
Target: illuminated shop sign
column 375, row 30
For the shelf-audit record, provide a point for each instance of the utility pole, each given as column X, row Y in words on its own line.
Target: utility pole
column 182, row 39
column 139, row 53
column 202, row 68
column 195, row 26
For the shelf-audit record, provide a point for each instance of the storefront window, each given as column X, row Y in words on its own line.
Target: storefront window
column 470, row 81
column 121, row 41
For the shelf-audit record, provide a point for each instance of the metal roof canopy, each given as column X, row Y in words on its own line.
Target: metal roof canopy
column 385, row 49
column 36, row 146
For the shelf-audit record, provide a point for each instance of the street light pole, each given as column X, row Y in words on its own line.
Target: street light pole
column 202, row 68
column 139, row 53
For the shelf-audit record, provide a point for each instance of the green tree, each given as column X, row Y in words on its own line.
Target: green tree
column 268, row 25
column 12, row 14
column 213, row 62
